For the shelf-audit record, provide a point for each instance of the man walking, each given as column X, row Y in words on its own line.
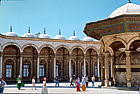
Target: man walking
column 2, row 84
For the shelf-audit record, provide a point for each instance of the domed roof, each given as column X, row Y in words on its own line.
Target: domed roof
column 74, row 37
column 88, row 39
column 59, row 36
column 44, row 35
column 30, row 35
column 128, row 8
column 11, row 33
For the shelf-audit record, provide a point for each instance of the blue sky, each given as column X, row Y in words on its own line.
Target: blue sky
column 67, row 15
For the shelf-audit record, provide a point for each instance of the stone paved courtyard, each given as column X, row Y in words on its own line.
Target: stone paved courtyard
column 66, row 89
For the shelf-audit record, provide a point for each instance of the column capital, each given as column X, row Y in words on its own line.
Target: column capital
column 106, row 54
column 127, row 53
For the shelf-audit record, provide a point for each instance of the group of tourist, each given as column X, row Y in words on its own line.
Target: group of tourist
column 76, row 82
column 73, row 82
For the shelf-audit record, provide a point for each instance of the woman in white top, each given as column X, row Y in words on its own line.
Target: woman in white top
column 33, row 83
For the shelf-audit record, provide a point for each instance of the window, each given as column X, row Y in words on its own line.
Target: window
column 26, row 70
column 42, row 70
column 9, row 71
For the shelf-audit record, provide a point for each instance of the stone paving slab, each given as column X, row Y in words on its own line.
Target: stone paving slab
column 65, row 89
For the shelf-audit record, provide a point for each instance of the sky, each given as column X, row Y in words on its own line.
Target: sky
column 66, row 15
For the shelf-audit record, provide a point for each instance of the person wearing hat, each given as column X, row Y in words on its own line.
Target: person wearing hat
column 44, row 89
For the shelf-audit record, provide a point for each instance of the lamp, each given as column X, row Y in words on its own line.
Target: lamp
column 122, row 49
column 138, row 49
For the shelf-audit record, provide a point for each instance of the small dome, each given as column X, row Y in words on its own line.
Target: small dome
column 30, row 35
column 74, row 38
column 128, row 8
column 44, row 36
column 11, row 34
column 89, row 39
column 59, row 37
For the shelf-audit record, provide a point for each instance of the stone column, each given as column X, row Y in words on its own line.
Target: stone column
column 128, row 68
column 98, row 65
column 111, row 62
column 112, row 70
column 84, row 65
column 102, row 68
column 106, row 55
column 21, row 60
column 38, row 60
column 54, row 66
column 1, row 57
column 70, row 75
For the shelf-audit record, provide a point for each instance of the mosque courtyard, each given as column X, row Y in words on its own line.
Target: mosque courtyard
column 66, row 89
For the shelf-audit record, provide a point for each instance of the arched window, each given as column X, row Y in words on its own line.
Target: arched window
column 9, row 71
column 26, row 70
column 42, row 70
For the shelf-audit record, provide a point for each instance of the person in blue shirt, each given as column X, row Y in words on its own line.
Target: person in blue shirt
column 2, row 84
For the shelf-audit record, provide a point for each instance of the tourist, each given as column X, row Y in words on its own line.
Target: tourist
column 86, row 81
column 44, row 89
column 84, row 84
column 71, row 82
column 33, row 83
column 19, row 82
column 2, row 84
column 56, row 81
column 74, row 80
column 93, row 80
column 78, row 85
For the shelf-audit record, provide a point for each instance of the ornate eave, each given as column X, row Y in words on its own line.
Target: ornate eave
column 109, row 26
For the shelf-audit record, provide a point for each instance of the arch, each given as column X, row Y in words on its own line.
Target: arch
column 33, row 45
column 9, row 59
column 46, row 45
column 116, row 45
column 92, row 47
column 41, row 59
column 110, row 41
column 27, row 59
column 77, row 46
column 110, row 50
column 64, row 46
column 131, row 41
column 12, row 43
